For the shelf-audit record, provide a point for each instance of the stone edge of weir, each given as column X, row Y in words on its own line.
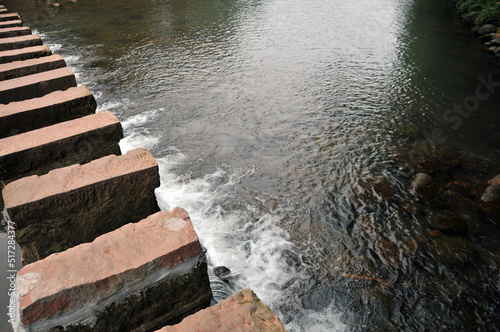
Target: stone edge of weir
column 118, row 269
column 114, row 279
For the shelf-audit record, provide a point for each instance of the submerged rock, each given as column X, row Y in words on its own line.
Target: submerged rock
column 447, row 222
column 421, row 180
column 382, row 189
column 491, row 194
column 457, row 188
column 435, row 233
column 487, row 28
column 452, row 251
column 495, row 42
column 412, row 207
column 473, row 163
column 493, row 49
column 495, row 182
column 486, row 37
column 446, row 156
column 223, row 273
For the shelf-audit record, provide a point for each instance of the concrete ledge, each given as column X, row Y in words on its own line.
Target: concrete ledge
column 72, row 142
column 14, row 43
column 135, row 278
column 9, row 24
column 14, row 31
column 24, row 54
column 36, row 85
column 76, row 204
column 9, row 17
column 242, row 311
column 59, row 106
column 29, row 67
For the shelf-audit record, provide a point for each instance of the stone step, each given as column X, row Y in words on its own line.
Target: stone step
column 3, row 11
column 10, row 24
column 36, row 85
column 73, row 205
column 136, row 278
column 14, row 43
column 31, row 66
column 9, row 17
column 72, row 142
column 242, row 311
column 14, row 31
column 59, row 106
column 24, row 53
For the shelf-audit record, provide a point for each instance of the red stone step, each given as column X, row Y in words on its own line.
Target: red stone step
column 24, row 53
column 136, row 278
column 36, row 85
column 9, row 17
column 14, row 31
column 242, row 311
column 59, row 106
column 14, row 43
column 10, row 24
column 72, row 142
column 75, row 204
column 31, row 66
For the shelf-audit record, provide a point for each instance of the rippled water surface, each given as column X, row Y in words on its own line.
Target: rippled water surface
column 291, row 130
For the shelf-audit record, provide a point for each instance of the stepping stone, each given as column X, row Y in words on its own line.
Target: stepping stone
column 14, row 31
column 9, row 24
column 59, row 106
column 72, row 142
column 36, row 85
column 31, row 66
column 9, row 17
column 14, row 43
column 24, row 53
column 75, row 204
column 242, row 311
column 136, row 278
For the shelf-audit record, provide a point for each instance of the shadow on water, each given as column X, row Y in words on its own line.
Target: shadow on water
column 291, row 133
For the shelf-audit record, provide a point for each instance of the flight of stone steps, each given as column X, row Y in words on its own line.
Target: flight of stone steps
column 98, row 253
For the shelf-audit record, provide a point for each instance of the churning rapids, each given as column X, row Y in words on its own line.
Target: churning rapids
column 291, row 131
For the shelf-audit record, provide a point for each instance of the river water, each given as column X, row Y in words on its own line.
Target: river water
column 290, row 131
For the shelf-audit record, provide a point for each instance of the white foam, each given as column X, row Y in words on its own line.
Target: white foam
column 110, row 105
column 137, row 140
column 327, row 320
column 53, row 47
column 136, row 132
column 253, row 246
column 139, row 119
